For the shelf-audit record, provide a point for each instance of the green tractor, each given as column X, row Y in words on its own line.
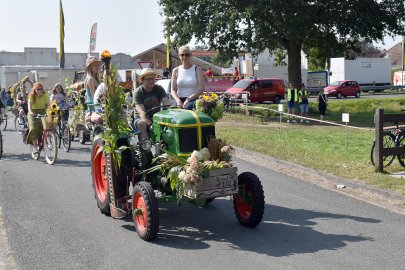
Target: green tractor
column 135, row 189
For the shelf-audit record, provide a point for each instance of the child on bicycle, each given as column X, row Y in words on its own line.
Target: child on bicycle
column 22, row 103
column 38, row 101
column 59, row 95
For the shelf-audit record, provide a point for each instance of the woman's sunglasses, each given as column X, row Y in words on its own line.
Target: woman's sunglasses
column 184, row 54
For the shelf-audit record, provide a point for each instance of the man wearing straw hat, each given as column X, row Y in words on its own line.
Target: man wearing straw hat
column 146, row 97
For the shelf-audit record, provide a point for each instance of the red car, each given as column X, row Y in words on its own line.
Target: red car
column 258, row 90
column 340, row 89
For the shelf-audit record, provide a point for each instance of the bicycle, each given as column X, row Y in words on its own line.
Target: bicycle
column 63, row 131
column 3, row 120
column 1, row 145
column 20, row 123
column 46, row 142
column 393, row 138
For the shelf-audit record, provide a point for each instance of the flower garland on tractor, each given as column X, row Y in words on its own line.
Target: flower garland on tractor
column 180, row 172
column 211, row 105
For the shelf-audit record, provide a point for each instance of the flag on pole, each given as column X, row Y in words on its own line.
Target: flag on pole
column 62, row 37
column 93, row 38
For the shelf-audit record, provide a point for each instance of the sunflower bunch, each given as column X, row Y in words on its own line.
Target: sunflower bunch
column 52, row 109
column 211, row 105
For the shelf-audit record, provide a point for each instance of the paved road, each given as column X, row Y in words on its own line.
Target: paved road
column 52, row 222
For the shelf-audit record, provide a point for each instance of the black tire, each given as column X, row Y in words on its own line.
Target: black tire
column 34, row 155
column 277, row 99
column 1, row 145
column 357, row 95
column 339, row 95
column 101, row 172
column 17, row 125
column 3, row 122
column 59, row 134
column 249, row 202
column 50, row 147
column 145, row 211
column 401, row 142
column 66, row 137
column 388, row 141
column 82, row 136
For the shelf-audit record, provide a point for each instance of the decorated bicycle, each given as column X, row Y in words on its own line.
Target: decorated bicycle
column 188, row 163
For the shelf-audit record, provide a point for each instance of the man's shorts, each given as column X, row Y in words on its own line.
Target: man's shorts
column 291, row 105
column 304, row 108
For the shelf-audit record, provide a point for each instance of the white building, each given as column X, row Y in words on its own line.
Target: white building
column 262, row 66
column 42, row 64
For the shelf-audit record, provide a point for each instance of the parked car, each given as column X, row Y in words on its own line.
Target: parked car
column 258, row 90
column 167, row 85
column 340, row 89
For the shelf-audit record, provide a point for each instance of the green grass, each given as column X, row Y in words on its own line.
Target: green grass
column 319, row 147
column 361, row 110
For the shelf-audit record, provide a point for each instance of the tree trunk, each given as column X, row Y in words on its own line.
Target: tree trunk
column 294, row 62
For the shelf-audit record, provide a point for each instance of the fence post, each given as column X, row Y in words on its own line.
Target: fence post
column 378, row 138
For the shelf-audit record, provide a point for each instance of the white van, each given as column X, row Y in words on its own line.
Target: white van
column 167, row 85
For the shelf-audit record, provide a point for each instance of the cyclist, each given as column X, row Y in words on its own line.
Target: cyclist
column 59, row 95
column 22, row 103
column 37, row 103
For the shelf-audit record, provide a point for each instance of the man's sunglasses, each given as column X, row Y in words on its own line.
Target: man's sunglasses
column 184, row 54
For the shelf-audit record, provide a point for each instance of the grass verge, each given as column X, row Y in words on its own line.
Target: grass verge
column 320, row 147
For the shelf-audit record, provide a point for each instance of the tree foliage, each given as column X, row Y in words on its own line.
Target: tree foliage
column 230, row 26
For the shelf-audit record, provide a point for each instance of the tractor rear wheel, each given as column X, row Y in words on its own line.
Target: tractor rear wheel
column 102, row 172
column 145, row 211
column 249, row 202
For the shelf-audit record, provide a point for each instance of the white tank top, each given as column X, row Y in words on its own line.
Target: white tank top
column 186, row 82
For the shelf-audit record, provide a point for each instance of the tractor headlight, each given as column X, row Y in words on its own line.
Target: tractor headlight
column 145, row 144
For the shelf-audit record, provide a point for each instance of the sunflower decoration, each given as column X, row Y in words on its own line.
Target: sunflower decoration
column 211, row 105
column 53, row 109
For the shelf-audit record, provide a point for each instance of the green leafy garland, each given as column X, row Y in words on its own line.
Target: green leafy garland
column 115, row 126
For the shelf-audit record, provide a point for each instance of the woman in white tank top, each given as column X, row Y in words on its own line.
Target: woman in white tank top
column 187, row 81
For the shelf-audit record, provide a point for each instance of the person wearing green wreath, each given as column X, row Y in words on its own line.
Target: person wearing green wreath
column 38, row 101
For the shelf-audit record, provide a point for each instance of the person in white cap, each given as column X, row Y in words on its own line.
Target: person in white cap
column 146, row 97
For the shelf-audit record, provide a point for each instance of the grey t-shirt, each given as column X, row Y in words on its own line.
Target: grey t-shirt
column 149, row 99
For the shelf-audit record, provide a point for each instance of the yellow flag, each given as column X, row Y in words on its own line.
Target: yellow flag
column 62, row 37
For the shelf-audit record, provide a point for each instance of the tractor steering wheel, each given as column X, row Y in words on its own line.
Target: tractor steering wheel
column 154, row 108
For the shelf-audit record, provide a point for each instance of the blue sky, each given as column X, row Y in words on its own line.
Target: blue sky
column 128, row 26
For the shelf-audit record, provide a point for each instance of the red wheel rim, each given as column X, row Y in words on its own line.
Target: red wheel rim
column 100, row 180
column 140, row 219
column 244, row 208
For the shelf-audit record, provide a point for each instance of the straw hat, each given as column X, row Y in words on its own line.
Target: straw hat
column 92, row 59
column 146, row 71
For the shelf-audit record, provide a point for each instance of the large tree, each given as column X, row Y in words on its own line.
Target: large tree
column 230, row 26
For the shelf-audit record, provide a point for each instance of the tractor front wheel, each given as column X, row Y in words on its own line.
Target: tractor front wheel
column 101, row 173
column 145, row 211
column 249, row 202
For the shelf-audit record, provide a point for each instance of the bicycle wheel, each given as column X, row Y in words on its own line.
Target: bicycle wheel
column 401, row 142
column 3, row 121
column 35, row 155
column 388, row 141
column 66, row 137
column 50, row 147
column 59, row 134
column 18, row 124
column 1, row 145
